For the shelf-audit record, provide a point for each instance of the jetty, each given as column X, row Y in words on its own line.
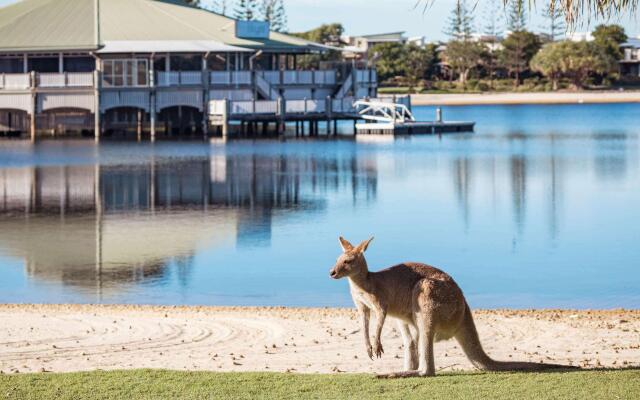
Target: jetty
column 395, row 118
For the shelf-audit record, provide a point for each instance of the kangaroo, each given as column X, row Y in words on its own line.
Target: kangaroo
column 421, row 297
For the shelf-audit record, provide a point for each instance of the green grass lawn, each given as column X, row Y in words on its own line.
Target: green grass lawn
column 154, row 384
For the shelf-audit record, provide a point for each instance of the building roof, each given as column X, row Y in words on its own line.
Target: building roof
column 55, row 25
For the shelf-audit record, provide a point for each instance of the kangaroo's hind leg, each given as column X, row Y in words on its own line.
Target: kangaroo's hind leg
column 409, row 346
column 424, row 307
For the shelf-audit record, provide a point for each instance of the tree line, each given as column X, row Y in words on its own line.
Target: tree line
column 521, row 55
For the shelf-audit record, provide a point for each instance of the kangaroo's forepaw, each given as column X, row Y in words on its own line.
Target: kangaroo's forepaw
column 378, row 350
column 370, row 352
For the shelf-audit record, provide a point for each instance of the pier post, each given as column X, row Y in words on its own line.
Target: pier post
column 152, row 105
column 328, row 112
column 139, row 124
column 225, row 119
column 205, row 97
column 96, row 107
column 282, row 108
column 32, row 116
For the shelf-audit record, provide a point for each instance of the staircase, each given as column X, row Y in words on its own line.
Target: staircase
column 347, row 86
column 264, row 87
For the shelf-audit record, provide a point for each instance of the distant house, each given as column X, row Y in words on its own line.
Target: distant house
column 365, row 42
column 86, row 65
column 630, row 63
column 580, row 36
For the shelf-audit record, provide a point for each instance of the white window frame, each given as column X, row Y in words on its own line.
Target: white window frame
column 128, row 64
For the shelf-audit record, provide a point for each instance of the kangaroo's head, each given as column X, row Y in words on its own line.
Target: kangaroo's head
column 351, row 262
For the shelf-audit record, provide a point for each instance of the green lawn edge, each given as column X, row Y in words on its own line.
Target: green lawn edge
column 162, row 384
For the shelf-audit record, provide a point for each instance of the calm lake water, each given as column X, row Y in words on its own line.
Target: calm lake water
column 539, row 208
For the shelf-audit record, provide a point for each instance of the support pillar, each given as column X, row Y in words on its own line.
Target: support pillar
column 96, row 106
column 32, row 116
column 225, row 120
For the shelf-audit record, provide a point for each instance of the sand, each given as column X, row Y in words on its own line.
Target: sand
column 527, row 98
column 61, row 338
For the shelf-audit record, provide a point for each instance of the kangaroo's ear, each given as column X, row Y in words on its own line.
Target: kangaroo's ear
column 362, row 247
column 344, row 243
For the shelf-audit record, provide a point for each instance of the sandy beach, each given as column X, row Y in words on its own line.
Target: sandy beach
column 60, row 338
column 526, row 98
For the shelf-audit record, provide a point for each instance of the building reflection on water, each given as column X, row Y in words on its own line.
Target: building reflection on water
column 103, row 227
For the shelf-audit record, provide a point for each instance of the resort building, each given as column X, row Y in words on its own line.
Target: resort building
column 159, row 67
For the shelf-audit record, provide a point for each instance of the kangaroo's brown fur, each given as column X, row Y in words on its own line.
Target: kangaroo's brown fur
column 428, row 305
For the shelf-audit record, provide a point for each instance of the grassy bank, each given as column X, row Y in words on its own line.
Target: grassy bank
column 154, row 384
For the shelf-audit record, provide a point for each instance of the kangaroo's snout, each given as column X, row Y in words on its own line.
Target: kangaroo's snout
column 333, row 273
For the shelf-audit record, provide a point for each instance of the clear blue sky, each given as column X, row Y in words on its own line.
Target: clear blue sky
column 372, row 16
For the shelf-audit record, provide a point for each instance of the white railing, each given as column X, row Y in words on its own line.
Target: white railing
column 178, row 78
column 366, row 75
column 15, row 81
column 80, row 79
column 217, row 107
column 343, row 105
column 65, row 79
column 254, row 107
column 305, row 106
column 230, row 77
column 273, row 77
column 326, row 77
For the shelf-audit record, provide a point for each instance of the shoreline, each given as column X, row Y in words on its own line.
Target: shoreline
column 510, row 98
column 66, row 338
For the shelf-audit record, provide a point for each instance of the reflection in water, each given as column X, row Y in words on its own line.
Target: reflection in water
column 524, row 219
column 103, row 226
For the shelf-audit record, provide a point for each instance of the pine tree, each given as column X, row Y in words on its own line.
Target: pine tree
column 517, row 16
column 493, row 18
column 460, row 22
column 245, row 10
column 273, row 12
column 555, row 22
column 492, row 29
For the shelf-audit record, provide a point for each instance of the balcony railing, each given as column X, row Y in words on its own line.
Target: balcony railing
column 230, row 78
column 65, row 79
column 294, row 77
column 175, row 78
column 15, row 81
column 306, row 106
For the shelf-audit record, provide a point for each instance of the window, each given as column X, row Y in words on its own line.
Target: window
column 127, row 72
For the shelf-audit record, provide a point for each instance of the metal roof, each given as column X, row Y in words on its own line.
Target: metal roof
column 55, row 25
column 167, row 46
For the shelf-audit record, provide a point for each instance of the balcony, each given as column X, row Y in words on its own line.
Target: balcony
column 294, row 77
column 182, row 78
column 65, row 80
column 230, row 78
column 15, row 81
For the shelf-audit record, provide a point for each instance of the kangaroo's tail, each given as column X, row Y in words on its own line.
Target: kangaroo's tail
column 467, row 336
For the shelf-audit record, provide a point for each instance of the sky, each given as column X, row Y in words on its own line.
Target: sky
column 377, row 16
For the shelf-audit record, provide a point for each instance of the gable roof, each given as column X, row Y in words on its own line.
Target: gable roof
column 54, row 25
